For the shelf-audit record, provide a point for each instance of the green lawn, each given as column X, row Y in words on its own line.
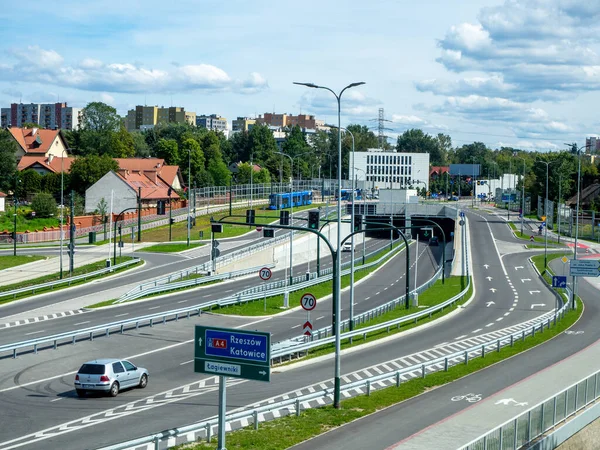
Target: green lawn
column 170, row 248
column 285, row 432
column 24, row 224
column 54, row 277
column 12, row 261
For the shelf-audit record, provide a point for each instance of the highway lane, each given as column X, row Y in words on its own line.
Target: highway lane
column 174, row 375
column 158, row 265
column 167, row 302
column 406, row 425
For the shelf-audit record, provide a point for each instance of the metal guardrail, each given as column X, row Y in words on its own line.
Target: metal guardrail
column 190, row 283
column 135, row 322
column 210, row 426
column 67, row 281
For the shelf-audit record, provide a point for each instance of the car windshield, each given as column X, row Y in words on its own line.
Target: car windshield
column 92, row 369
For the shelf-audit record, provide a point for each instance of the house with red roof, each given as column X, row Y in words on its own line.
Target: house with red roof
column 38, row 142
column 45, row 164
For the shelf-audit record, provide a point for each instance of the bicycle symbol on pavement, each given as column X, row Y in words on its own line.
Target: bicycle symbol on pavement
column 471, row 398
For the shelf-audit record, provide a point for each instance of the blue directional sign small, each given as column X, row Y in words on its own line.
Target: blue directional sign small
column 559, row 282
column 233, row 353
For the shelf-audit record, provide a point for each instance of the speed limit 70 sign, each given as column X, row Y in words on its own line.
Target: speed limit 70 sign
column 308, row 302
column 265, row 273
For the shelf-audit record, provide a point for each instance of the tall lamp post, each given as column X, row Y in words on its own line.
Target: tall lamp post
column 189, row 197
column 523, row 195
column 337, row 279
column 364, row 198
column 62, row 208
column 545, row 215
column 291, row 213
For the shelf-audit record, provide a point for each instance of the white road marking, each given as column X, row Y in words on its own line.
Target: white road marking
column 155, row 307
column 186, row 362
column 34, row 332
column 121, row 315
column 499, row 319
column 511, row 309
column 82, row 323
column 441, row 345
column 319, row 318
column 295, row 326
column 461, row 337
column 477, row 330
column 55, row 400
column 182, row 301
column 490, row 324
column 506, row 314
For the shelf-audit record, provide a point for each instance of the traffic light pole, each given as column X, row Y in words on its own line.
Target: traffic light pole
column 115, row 232
column 170, row 219
column 72, row 234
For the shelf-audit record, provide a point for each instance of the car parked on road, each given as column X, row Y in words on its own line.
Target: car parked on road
column 109, row 376
column 434, row 241
column 347, row 246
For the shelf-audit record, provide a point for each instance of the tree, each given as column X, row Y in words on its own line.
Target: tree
column 262, row 145
column 121, row 144
column 211, row 148
column 32, row 125
column 85, row 171
column 31, row 181
column 8, row 160
column 44, row 205
column 190, row 147
column 140, row 146
column 51, row 184
column 219, row 172
column 100, row 117
column 244, row 173
column 240, row 147
column 168, row 150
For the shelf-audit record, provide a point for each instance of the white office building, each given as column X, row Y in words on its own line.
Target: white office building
column 391, row 170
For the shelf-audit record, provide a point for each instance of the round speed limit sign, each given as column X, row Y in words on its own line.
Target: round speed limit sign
column 308, row 302
column 265, row 273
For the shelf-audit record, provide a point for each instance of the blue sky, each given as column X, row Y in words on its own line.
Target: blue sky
column 521, row 73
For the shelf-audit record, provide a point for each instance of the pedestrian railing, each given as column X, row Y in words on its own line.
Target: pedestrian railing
column 294, row 405
column 534, row 423
column 66, row 281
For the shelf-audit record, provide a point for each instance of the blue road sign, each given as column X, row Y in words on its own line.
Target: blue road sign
column 584, row 268
column 544, row 223
column 559, row 282
column 234, row 353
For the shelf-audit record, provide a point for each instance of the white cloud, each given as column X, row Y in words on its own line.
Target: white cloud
column 38, row 65
column 408, row 120
column 354, row 104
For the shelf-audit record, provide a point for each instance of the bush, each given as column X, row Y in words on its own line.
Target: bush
column 44, row 205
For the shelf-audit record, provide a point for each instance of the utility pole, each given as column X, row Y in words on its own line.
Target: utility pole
column 139, row 214
column 72, row 233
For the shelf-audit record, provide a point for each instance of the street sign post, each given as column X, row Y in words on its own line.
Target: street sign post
column 231, row 353
column 559, row 281
column 584, row 268
column 265, row 273
column 308, row 302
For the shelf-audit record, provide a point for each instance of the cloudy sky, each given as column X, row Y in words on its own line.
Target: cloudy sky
column 523, row 73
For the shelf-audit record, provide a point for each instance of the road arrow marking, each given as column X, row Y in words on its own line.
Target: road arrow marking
column 537, row 304
column 486, row 266
column 534, row 292
column 519, row 267
column 488, row 304
column 523, row 280
column 489, row 278
column 493, row 290
column 505, row 401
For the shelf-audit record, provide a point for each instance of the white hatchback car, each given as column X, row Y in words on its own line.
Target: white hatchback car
column 110, row 376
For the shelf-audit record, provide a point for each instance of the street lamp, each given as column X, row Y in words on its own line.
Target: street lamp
column 364, row 208
column 189, row 197
column 473, row 158
column 291, row 215
column 546, row 215
column 337, row 279
column 62, row 208
column 523, row 195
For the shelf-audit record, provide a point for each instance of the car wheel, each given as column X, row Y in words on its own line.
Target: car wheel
column 143, row 381
column 80, row 392
column 114, row 389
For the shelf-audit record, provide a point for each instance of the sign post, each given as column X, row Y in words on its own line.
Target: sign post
column 265, row 274
column 308, row 302
column 231, row 353
column 584, row 268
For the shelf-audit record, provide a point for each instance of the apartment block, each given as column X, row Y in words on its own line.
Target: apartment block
column 285, row 120
column 242, row 124
column 592, row 145
column 145, row 117
column 212, row 122
column 50, row 116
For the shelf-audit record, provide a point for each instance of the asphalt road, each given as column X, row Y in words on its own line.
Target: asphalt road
column 166, row 351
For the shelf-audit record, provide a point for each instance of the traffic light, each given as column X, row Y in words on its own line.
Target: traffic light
column 172, row 220
column 357, row 222
column 215, row 251
column 160, row 208
column 216, row 228
column 250, row 214
column 284, row 217
column 71, row 248
column 313, row 220
column 268, row 232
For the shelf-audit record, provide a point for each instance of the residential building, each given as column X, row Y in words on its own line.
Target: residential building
column 43, row 164
column 242, row 124
column 2, row 202
column 212, row 122
column 592, row 145
column 284, row 120
column 50, row 116
column 38, row 142
column 393, row 170
column 122, row 188
column 168, row 174
column 146, row 117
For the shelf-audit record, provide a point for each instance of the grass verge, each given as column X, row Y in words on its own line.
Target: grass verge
column 285, row 432
column 274, row 304
column 538, row 260
column 8, row 261
column 169, row 248
column 56, row 276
